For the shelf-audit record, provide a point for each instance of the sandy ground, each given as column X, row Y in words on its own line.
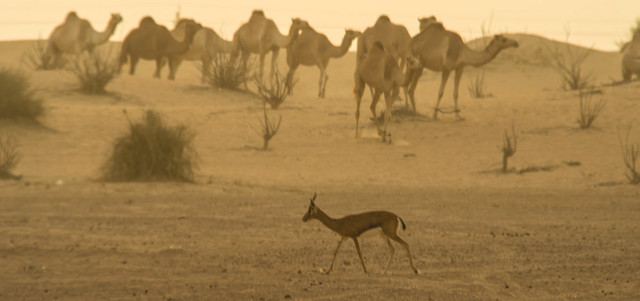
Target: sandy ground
column 236, row 234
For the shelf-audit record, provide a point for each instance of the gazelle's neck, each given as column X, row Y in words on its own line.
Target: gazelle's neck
column 326, row 220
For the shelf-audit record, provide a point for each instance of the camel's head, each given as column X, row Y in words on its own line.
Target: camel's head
column 116, row 18
column 426, row 22
column 502, row 42
column 299, row 24
column 413, row 63
column 352, row 34
column 311, row 211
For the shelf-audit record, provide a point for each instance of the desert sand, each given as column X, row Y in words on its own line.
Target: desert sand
column 571, row 232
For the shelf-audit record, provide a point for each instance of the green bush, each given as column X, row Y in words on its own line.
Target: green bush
column 152, row 151
column 16, row 96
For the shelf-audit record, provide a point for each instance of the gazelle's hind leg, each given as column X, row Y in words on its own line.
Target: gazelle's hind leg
column 390, row 230
column 392, row 250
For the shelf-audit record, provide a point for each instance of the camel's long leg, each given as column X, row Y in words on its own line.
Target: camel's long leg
column 355, row 240
column 412, row 87
column 159, row 64
column 374, row 103
column 359, row 90
column 274, row 60
column 392, row 250
column 335, row 254
column 134, row 62
column 388, row 99
column 324, row 77
column 206, row 68
column 456, row 85
column 443, row 83
column 289, row 80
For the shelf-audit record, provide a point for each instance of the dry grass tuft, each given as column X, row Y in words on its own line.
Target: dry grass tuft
column 94, row 70
column 37, row 59
column 589, row 110
column 17, row 99
column 152, row 151
column 268, row 128
column 9, row 157
column 228, row 71
column 630, row 154
column 276, row 90
column 509, row 147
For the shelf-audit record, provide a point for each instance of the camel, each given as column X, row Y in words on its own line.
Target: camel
column 205, row 46
column 76, row 35
column 444, row 51
column 426, row 22
column 631, row 58
column 260, row 35
column 380, row 70
column 394, row 38
column 151, row 41
column 313, row 48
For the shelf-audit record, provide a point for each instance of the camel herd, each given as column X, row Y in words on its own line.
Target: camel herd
column 387, row 57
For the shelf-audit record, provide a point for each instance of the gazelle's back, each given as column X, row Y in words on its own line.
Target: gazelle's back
column 357, row 224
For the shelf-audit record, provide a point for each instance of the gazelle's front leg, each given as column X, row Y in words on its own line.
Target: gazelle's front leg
column 355, row 240
column 335, row 254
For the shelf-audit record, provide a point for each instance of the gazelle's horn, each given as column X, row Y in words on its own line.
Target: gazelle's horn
column 314, row 197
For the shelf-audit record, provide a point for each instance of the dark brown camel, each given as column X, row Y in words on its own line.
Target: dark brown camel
column 151, row 41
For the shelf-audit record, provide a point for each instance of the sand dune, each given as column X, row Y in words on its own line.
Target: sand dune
column 570, row 232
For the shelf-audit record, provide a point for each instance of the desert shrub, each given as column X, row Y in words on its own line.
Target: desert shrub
column 630, row 154
column 268, row 128
column 9, row 157
column 477, row 87
column 152, row 151
column 17, row 99
column 228, row 71
column 36, row 57
column 567, row 61
column 622, row 44
column 94, row 70
column 509, row 147
column 588, row 110
column 276, row 90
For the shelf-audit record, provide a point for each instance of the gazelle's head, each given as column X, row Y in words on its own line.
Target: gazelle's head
column 311, row 212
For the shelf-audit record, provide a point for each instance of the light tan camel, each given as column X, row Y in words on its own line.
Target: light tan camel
column 76, row 35
column 379, row 69
column 151, row 41
column 205, row 46
column 260, row 35
column 631, row 58
column 313, row 48
column 394, row 38
column 444, row 51
column 426, row 22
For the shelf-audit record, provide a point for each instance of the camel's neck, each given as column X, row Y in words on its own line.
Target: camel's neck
column 102, row 37
column 327, row 221
column 344, row 47
column 284, row 41
column 477, row 58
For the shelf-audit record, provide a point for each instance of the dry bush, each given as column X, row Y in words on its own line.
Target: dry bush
column 477, row 87
column 630, row 154
column 276, row 90
column 36, row 57
column 17, row 99
column 94, row 70
column 268, row 128
column 509, row 147
column 228, row 71
column 567, row 60
column 152, row 151
column 9, row 157
column 589, row 110
column 622, row 44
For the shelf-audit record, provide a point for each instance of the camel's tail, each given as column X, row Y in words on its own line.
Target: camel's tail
column 404, row 227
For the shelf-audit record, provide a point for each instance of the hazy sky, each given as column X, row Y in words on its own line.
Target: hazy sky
column 590, row 23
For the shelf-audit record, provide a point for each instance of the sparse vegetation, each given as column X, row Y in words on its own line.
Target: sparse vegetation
column 9, row 157
column 268, row 128
column 152, row 151
column 94, row 70
column 567, row 60
column 17, row 99
column 589, row 110
column 36, row 58
column 276, row 90
column 509, row 147
column 630, row 154
column 622, row 44
column 228, row 71
column 477, row 87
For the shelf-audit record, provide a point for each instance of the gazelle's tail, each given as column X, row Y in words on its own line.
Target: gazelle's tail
column 404, row 227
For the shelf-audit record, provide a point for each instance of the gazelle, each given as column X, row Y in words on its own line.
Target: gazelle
column 351, row 226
